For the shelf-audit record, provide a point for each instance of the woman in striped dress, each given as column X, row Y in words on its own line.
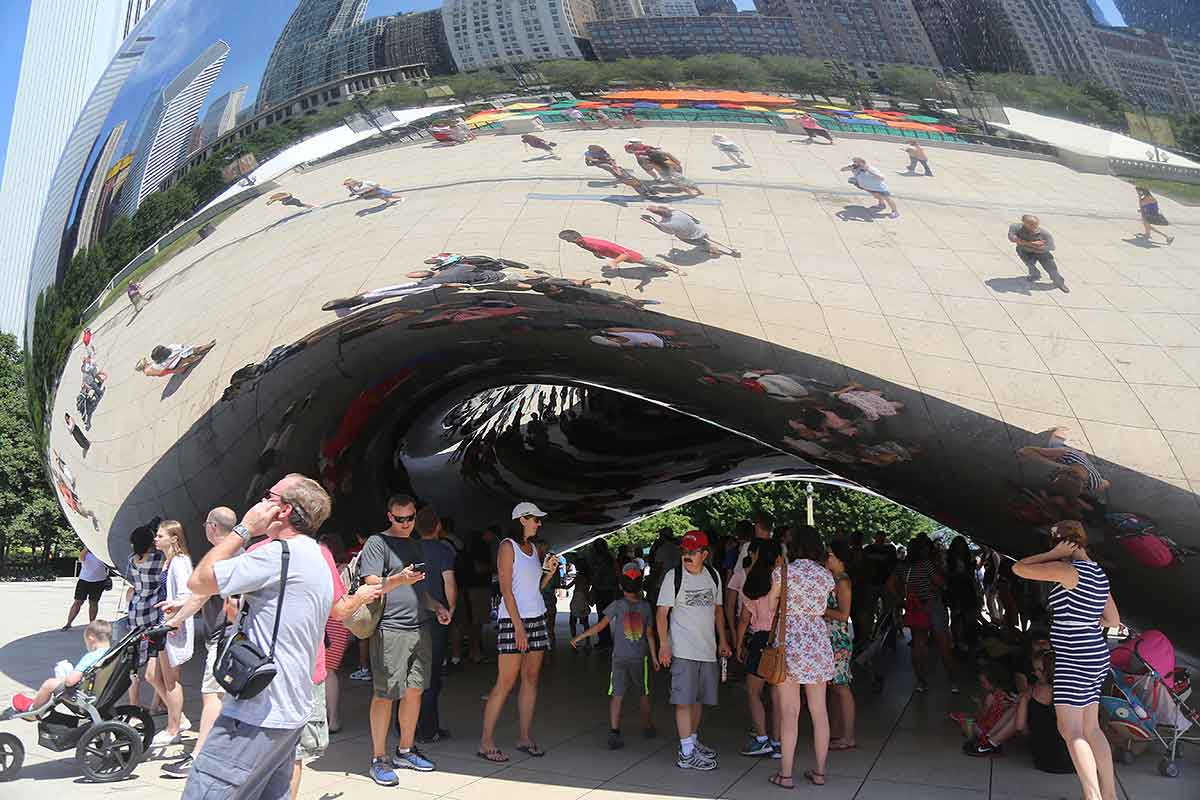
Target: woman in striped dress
column 1080, row 603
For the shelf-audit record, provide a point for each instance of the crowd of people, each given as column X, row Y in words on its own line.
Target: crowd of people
column 792, row 617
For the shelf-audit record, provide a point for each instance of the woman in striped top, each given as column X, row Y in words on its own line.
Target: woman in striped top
column 1080, row 603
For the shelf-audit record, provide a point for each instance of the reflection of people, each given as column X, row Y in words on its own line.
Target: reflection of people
column 1035, row 246
column 916, row 155
column 615, row 253
column 686, row 228
column 134, row 292
column 643, row 338
column 286, row 199
column 1151, row 215
column 172, row 359
column 1075, row 478
column 813, row 128
column 1081, row 603
column 538, row 143
column 730, row 149
column 80, row 439
column 367, row 190
column 871, row 181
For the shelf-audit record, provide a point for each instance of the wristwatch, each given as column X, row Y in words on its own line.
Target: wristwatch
column 244, row 532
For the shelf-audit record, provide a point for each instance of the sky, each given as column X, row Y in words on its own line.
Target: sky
column 247, row 55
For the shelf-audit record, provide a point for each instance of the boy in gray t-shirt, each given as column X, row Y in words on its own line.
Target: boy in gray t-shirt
column 635, row 649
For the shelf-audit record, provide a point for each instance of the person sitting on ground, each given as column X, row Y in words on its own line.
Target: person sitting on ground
column 97, row 636
column 635, row 648
column 538, row 143
column 992, row 704
column 687, row 229
column 1034, row 716
column 170, row 359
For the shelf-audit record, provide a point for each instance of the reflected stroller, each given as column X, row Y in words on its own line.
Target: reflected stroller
column 109, row 739
column 1148, row 700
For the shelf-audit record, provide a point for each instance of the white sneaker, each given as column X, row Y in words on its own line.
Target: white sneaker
column 185, row 725
column 695, row 761
column 363, row 674
column 164, row 739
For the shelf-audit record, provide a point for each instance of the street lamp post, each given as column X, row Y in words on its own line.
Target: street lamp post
column 808, row 492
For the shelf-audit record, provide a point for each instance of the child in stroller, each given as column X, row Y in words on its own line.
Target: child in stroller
column 79, row 711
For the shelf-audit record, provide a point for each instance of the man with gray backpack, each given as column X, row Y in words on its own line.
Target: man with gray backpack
column 691, row 626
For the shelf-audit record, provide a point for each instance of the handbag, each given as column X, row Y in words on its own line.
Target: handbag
column 242, row 669
column 772, row 664
column 916, row 610
column 365, row 619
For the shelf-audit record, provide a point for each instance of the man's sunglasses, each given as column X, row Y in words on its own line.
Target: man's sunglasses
column 271, row 496
column 401, row 520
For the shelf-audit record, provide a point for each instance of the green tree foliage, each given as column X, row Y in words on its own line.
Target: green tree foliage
column 1051, row 96
column 472, row 85
column 31, row 516
column 1187, row 131
column 644, row 71
column 911, row 83
column 642, row 534
column 802, row 75
column 573, row 75
column 726, row 70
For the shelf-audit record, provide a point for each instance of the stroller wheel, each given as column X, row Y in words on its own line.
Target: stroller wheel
column 1168, row 768
column 109, row 751
column 139, row 719
column 12, row 756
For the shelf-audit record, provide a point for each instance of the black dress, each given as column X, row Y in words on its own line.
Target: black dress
column 83, row 442
column 1049, row 750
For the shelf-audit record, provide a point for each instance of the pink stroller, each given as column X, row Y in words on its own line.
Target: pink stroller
column 1148, row 702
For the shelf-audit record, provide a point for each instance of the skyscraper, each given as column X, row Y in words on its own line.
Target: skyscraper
column 418, row 38
column 221, row 116
column 866, row 33
column 1057, row 38
column 496, row 33
column 1176, row 18
column 63, row 58
column 972, row 34
column 313, row 20
column 670, row 8
column 173, row 112
column 619, row 9
column 89, row 215
column 708, row 8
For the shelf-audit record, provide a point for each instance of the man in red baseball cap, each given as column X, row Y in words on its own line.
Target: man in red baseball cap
column 691, row 626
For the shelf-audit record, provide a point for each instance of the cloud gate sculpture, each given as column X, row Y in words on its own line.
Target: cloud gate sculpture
column 423, row 326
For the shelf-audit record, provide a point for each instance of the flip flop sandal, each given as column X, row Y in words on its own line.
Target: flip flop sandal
column 778, row 780
column 495, row 756
column 814, row 777
column 840, row 746
column 532, row 750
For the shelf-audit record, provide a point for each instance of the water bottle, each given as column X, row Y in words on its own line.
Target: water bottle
column 724, row 668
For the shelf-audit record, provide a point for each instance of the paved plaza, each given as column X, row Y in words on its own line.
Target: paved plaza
column 908, row 749
column 936, row 300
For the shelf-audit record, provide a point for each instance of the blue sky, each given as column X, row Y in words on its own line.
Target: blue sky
column 247, row 54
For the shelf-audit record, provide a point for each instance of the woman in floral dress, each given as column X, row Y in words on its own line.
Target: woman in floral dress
column 837, row 619
column 809, row 655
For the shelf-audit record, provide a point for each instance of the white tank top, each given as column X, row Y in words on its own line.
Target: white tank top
column 527, row 580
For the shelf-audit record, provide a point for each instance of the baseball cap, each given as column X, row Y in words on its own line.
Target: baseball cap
column 527, row 509
column 632, row 570
column 693, row 540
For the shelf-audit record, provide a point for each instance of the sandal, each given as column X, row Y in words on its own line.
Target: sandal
column 532, row 750
column 814, row 777
column 495, row 755
column 842, row 746
column 782, row 781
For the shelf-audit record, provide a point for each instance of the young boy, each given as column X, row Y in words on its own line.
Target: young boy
column 690, row 600
column 98, row 638
column 634, row 650
column 615, row 253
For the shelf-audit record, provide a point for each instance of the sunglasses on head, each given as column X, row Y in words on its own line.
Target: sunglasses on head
column 401, row 520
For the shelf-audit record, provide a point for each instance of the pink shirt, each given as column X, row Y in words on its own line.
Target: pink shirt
column 339, row 591
column 762, row 612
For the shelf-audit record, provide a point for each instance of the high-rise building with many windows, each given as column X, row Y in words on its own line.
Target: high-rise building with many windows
column 163, row 144
column 1179, row 19
column 670, row 8
column 619, row 9
column 1058, row 38
column 87, row 228
column 221, row 116
column 312, row 21
column 490, row 34
column 64, row 57
column 418, row 38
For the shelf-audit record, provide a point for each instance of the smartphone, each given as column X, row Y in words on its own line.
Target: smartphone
column 418, row 566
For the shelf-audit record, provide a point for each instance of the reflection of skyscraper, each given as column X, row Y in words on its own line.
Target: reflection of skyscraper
column 866, row 33
column 515, row 32
column 89, row 214
column 65, row 54
column 311, row 21
column 222, row 115
column 418, row 38
column 134, row 11
column 174, row 110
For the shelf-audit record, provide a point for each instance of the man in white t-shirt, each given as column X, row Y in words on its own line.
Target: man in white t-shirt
column 686, row 228
column 690, row 601
column 93, row 580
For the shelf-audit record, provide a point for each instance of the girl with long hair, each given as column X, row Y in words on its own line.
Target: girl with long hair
column 759, row 589
column 176, row 649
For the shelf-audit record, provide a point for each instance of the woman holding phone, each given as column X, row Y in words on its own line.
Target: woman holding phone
column 522, row 639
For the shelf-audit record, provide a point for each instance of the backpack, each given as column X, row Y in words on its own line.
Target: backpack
column 712, row 573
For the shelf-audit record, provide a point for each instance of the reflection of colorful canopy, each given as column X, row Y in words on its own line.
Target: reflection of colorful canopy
column 591, row 104
column 789, row 111
column 559, row 106
column 866, row 121
column 484, row 117
column 922, row 118
column 701, row 96
column 706, row 106
column 734, row 106
column 754, row 108
column 524, row 106
column 645, row 104
column 669, row 105
column 912, row 126
column 832, row 108
column 622, row 105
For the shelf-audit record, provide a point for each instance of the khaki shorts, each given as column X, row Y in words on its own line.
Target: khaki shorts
column 314, row 736
column 400, row 660
column 208, row 684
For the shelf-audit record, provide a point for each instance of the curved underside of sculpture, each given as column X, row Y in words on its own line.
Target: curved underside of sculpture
column 910, row 357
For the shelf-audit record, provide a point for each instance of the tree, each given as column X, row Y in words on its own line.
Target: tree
column 802, row 75
column 911, row 83
column 644, row 71
column 1187, row 131
column 725, row 69
column 573, row 75
column 32, row 518
column 642, row 534
column 471, row 85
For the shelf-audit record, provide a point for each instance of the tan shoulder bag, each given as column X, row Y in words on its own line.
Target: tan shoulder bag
column 772, row 666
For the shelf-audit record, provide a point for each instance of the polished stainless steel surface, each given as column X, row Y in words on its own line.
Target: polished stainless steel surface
column 910, row 356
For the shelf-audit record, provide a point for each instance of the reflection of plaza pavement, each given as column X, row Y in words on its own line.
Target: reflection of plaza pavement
column 907, row 748
column 935, row 300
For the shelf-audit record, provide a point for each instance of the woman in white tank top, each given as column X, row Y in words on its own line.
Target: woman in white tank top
column 523, row 638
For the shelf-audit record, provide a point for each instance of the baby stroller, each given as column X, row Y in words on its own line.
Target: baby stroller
column 1148, row 702
column 109, row 739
